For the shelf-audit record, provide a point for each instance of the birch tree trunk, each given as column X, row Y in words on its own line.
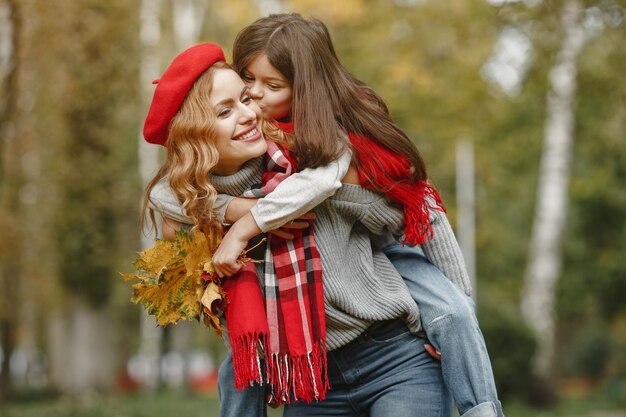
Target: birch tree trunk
column 10, row 180
column 466, row 203
column 95, row 108
column 544, row 264
column 188, row 18
column 267, row 7
column 77, row 338
column 150, row 35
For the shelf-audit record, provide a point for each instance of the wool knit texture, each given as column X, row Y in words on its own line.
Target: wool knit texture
column 361, row 286
column 273, row 211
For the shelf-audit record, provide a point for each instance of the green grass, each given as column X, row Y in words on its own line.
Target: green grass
column 181, row 404
column 158, row 404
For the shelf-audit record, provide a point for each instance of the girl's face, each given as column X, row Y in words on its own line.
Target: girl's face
column 268, row 87
column 237, row 136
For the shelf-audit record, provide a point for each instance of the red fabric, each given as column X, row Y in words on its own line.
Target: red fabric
column 297, row 365
column 247, row 325
column 289, row 324
column 173, row 86
column 388, row 172
column 417, row 198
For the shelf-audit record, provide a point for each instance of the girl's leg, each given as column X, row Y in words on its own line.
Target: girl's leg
column 235, row 403
column 450, row 323
column 384, row 372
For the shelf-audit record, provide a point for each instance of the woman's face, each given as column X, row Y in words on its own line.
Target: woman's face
column 237, row 136
column 269, row 88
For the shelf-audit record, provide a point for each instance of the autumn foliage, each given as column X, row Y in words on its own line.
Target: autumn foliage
column 177, row 280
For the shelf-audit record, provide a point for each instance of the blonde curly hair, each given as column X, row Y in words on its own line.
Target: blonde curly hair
column 192, row 155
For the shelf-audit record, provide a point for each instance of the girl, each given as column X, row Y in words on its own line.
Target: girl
column 291, row 67
column 203, row 114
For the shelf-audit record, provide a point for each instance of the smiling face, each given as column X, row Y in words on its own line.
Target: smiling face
column 269, row 88
column 238, row 138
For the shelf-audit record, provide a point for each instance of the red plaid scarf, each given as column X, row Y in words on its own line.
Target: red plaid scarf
column 383, row 170
column 280, row 339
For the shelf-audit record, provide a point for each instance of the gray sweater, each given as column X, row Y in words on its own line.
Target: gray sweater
column 361, row 285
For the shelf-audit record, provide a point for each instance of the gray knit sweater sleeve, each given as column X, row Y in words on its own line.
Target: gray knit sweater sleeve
column 382, row 217
column 164, row 201
column 444, row 252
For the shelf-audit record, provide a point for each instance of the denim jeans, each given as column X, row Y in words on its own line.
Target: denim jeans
column 384, row 372
column 234, row 403
column 449, row 319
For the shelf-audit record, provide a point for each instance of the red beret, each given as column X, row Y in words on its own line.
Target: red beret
column 173, row 86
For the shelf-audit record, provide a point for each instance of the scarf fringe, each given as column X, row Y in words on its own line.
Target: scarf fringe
column 299, row 378
column 290, row 378
column 247, row 352
column 417, row 206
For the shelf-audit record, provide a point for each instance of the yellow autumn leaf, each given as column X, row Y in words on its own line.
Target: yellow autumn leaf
column 170, row 283
column 155, row 260
column 173, row 299
column 212, row 299
column 211, row 320
column 212, row 293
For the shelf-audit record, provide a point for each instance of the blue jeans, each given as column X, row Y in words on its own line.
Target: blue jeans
column 449, row 319
column 234, row 403
column 384, row 372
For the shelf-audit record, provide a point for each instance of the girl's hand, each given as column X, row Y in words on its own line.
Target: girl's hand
column 432, row 351
column 297, row 223
column 226, row 257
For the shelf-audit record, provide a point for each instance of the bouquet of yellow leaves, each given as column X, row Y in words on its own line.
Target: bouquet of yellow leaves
column 177, row 280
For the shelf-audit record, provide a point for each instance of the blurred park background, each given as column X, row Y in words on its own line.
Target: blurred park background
column 517, row 106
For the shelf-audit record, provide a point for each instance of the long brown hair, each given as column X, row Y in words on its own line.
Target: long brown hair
column 192, row 155
column 303, row 52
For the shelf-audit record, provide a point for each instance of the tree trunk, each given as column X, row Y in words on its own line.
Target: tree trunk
column 150, row 35
column 544, row 264
column 466, row 204
column 188, row 17
column 81, row 350
column 10, row 184
column 271, row 6
column 96, row 110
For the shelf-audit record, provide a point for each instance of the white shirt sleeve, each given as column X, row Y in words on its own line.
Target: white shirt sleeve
column 163, row 200
column 300, row 193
